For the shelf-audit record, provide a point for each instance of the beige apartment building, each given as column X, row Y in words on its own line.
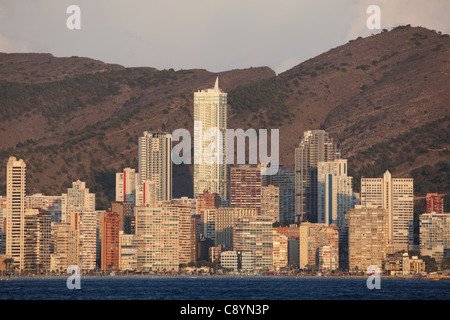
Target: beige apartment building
column 395, row 195
column 367, row 237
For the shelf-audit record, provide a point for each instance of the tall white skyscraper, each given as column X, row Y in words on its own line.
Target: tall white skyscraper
column 15, row 210
column 316, row 146
column 155, row 162
column 395, row 195
column 210, row 112
column 335, row 195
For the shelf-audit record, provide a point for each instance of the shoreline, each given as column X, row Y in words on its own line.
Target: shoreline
column 159, row 276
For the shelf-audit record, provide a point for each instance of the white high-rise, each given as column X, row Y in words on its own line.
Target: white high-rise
column 395, row 195
column 335, row 195
column 155, row 162
column 210, row 113
column 15, row 210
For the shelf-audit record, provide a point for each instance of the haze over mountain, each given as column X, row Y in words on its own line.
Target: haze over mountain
column 384, row 99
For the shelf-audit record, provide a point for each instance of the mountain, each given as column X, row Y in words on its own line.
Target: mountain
column 384, row 99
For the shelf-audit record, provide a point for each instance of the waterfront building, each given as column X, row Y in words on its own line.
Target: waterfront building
column 368, row 237
column 210, row 113
column 155, row 162
column 316, row 146
column 395, row 195
column 434, row 235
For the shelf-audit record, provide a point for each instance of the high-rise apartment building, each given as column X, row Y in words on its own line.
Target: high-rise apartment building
column 395, row 195
column 77, row 199
column 155, row 162
column 157, row 238
column 86, row 225
column 367, row 237
column 123, row 209
column 334, row 192
column 434, row 235
column 313, row 236
column 126, row 185
column 280, row 250
column 147, row 194
column 44, row 240
column 206, row 201
column 210, row 164
column 127, row 251
column 15, row 210
column 316, row 146
column 254, row 233
column 434, row 203
column 293, row 239
column 245, row 187
column 270, row 202
column 50, row 204
column 64, row 239
column 186, row 234
column 284, row 179
column 225, row 222
column 110, row 245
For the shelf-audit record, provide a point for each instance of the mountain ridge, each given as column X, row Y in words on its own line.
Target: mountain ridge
column 85, row 124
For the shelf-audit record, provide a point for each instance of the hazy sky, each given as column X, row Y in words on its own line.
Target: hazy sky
column 216, row 35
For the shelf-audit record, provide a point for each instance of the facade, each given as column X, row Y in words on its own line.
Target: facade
column 206, row 200
column 124, row 210
column 254, row 233
column 328, row 258
column 284, row 179
column 245, row 187
column 210, row 113
column 147, row 194
column 110, row 244
column 86, row 225
column 155, row 162
column 270, row 203
column 186, row 232
column 316, row 146
column 335, row 193
column 77, row 199
column 127, row 251
column 229, row 260
column 434, row 203
column 225, row 221
column 313, row 236
column 157, row 238
column 280, row 251
column 237, row 260
column 434, row 234
column 395, row 195
column 293, row 240
column 65, row 250
column 126, row 185
column 44, row 240
column 30, row 241
column 50, row 204
column 367, row 237
column 15, row 211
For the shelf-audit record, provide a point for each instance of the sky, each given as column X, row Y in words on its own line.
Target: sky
column 216, row 35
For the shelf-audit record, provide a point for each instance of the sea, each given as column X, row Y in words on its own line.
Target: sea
column 222, row 288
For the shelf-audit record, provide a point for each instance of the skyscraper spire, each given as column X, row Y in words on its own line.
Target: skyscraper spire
column 216, row 85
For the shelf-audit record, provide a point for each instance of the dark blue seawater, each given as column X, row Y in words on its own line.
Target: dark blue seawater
column 215, row 288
